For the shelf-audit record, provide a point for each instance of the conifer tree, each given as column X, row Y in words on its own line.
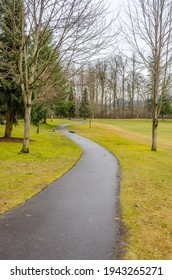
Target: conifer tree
column 84, row 110
column 10, row 92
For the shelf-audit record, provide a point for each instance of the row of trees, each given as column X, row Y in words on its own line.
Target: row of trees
column 146, row 80
column 45, row 49
column 117, row 87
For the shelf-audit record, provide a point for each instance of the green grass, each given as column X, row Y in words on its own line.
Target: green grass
column 146, row 188
column 24, row 175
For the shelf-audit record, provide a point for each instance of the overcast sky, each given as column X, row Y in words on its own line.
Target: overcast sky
column 115, row 3
column 118, row 5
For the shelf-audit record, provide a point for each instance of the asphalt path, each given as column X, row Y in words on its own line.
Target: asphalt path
column 74, row 218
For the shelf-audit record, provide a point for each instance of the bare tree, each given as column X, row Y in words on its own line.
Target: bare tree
column 79, row 31
column 91, row 82
column 101, row 69
column 123, row 72
column 113, row 82
column 149, row 32
column 134, row 73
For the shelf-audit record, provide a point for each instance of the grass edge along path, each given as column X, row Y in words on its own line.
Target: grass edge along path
column 146, row 191
column 24, row 175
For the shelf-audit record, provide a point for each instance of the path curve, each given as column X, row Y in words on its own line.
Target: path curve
column 74, row 218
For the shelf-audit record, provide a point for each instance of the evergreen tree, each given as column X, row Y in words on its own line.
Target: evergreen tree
column 65, row 107
column 2, row 110
column 38, row 114
column 166, row 107
column 11, row 104
column 61, row 109
column 71, row 104
column 84, row 110
column 10, row 92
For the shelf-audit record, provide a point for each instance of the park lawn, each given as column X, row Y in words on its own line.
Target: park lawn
column 146, row 185
column 24, row 175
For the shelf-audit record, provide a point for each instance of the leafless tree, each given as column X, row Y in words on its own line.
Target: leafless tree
column 149, row 32
column 123, row 61
column 78, row 30
column 113, row 82
column 101, row 69
column 92, row 86
column 134, row 72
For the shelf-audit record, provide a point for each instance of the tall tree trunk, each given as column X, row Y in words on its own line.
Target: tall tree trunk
column 123, row 97
column 154, row 134
column 115, row 100
column 131, row 108
column 45, row 120
column 38, row 126
column 102, row 102
column 9, row 123
column 27, row 119
column 132, row 100
column 154, row 128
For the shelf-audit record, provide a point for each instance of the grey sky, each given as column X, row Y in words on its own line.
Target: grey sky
column 115, row 3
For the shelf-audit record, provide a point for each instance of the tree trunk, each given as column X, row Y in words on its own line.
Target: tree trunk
column 102, row 102
column 37, row 131
column 45, row 120
column 9, row 124
column 90, row 122
column 155, row 112
column 123, row 97
column 25, row 148
column 154, row 134
column 115, row 101
column 131, row 108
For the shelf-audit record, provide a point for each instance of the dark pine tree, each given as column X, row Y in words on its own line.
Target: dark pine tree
column 10, row 94
column 84, row 110
column 38, row 113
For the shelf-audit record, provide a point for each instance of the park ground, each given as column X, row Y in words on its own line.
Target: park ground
column 146, row 190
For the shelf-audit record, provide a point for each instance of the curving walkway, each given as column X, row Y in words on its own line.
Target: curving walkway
column 74, row 218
